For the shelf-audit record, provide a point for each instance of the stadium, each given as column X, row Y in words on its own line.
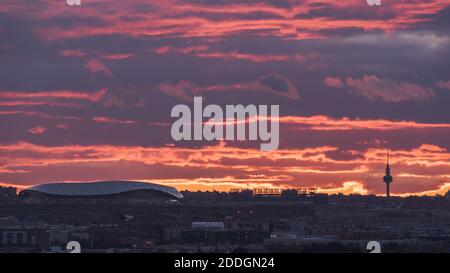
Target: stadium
column 100, row 191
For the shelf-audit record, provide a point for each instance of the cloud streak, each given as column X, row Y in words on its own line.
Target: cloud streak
column 379, row 89
column 56, row 94
column 273, row 83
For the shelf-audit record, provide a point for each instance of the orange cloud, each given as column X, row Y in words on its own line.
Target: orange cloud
column 57, row 94
column 441, row 190
column 348, row 187
column 224, row 167
column 112, row 120
column 328, row 123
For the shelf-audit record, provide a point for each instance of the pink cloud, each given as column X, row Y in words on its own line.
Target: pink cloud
column 377, row 89
column 443, row 85
column 180, row 50
column 62, row 126
column 236, row 55
column 38, row 130
column 333, row 82
column 95, row 66
column 183, row 90
column 203, row 51
column 116, row 56
column 73, row 53
column 101, row 55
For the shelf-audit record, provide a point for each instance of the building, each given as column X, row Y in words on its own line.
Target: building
column 14, row 234
column 208, row 225
column 8, row 193
column 32, row 238
column 101, row 191
column 232, row 231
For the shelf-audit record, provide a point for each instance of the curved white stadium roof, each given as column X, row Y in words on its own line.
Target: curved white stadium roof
column 101, row 188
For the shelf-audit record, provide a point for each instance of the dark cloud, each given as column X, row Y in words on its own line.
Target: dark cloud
column 439, row 21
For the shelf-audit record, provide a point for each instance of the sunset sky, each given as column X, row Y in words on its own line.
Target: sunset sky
column 86, row 92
